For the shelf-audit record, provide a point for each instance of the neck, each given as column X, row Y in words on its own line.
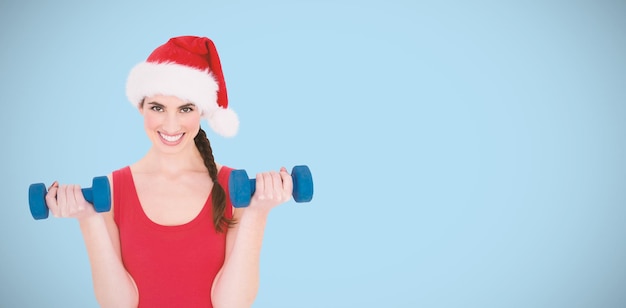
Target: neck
column 158, row 162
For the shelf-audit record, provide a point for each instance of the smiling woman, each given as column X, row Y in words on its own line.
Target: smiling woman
column 172, row 237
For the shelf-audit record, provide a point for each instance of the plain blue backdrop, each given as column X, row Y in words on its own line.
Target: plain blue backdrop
column 465, row 154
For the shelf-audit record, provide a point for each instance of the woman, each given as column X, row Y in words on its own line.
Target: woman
column 172, row 238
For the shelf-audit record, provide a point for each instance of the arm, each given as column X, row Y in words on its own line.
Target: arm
column 237, row 283
column 113, row 286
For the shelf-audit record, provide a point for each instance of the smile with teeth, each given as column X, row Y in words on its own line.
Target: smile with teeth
column 170, row 138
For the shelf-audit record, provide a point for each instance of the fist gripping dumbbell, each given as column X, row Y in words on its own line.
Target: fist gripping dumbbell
column 99, row 194
column 242, row 188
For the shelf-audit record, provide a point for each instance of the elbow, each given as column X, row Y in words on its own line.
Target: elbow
column 106, row 303
column 239, row 304
column 236, row 301
column 117, row 294
column 118, row 300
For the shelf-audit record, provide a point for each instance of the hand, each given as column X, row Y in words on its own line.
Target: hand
column 68, row 201
column 272, row 189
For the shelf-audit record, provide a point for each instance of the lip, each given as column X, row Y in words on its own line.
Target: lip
column 171, row 140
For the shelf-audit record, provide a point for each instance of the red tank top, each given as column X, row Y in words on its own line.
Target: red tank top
column 173, row 266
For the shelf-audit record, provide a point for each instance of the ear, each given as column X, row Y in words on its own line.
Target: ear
column 140, row 106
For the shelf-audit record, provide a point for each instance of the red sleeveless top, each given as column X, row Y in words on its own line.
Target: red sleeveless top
column 173, row 266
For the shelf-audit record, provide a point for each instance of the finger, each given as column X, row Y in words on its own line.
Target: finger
column 62, row 200
column 260, row 186
column 287, row 182
column 79, row 198
column 277, row 185
column 72, row 205
column 55, row 184
column 269, row 185
column 51, row 198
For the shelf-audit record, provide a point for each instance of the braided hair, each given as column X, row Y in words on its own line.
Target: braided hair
column 218, row 195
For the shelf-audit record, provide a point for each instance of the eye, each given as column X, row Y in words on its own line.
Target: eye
column 186, row 109
column 156, row 108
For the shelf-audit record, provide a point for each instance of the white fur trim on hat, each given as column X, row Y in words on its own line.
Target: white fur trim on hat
column 196, row 86
column 223, row 121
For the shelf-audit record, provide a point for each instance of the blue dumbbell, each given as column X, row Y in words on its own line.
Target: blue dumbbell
column 242, row 188
column 99, row 194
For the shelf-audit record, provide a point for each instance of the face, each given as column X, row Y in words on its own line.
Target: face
column 170, row 123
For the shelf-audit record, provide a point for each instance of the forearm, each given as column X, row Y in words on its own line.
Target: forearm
column 238, row 283
column 113, row 286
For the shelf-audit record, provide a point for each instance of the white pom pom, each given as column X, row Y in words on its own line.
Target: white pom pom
column 224, row 122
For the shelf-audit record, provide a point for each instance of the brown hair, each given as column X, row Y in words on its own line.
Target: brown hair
column 218, row 195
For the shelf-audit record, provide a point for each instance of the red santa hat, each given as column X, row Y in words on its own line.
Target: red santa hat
column 189, row 68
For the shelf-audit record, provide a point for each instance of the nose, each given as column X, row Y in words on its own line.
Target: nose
column 171, row 123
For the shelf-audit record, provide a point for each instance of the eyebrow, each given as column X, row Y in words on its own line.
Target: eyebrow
column 179, row 107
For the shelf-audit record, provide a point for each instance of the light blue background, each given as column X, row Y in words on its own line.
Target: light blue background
column 464, row 154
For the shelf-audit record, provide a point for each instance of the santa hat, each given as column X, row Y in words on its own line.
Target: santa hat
column 189, row 68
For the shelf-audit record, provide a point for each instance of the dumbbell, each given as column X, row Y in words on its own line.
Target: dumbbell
column 242, row 188
column 99, row 194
